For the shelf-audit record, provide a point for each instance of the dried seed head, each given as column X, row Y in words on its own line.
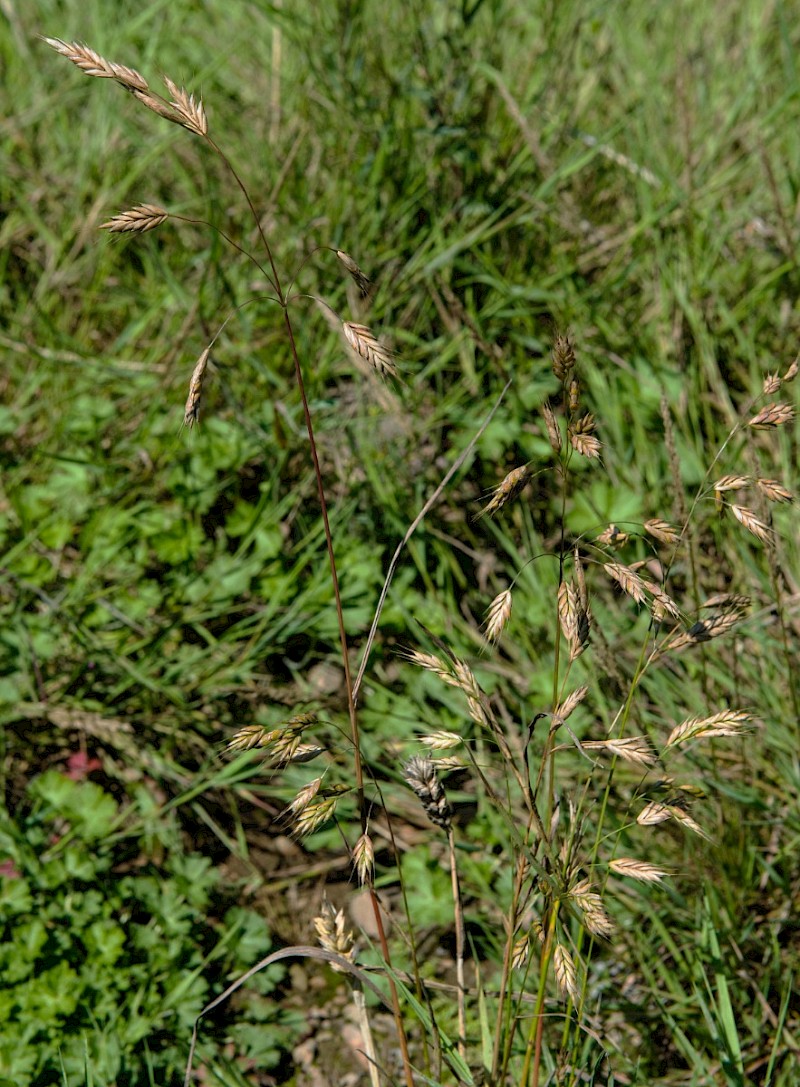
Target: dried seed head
column 252, row 736
column 313, row 813
column 566, row 977
column 498, row 615
column 94, row 65
column 612, row 537
column 747, row 518
column 772, row 384
column 364, row 859
column 713, row 626
column 791, row 373
column 553, row 429
column 774, row 491
column 662, row 531
column 581, row 437
column 190, row 113
column 645, row 873
column 628, row 580
column 360, row 280
column 633, row 749
column 520, row 952
column 158, row 106
column 332, row 933
column 421, row 776
column 364, row 343
column 136, row 220
column 772, row 416
column 590, row 905
column 305, row 796
column 441, row 740
column 571, row 702
column 563, row 357
column 573, row 395
column 727, row 602
column 580, row 580
column 726, row 723
column 653, row 813
column 731, row 483
column 506, row 491
column 190, row 411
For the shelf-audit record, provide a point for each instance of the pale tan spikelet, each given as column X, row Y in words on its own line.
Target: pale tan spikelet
column 633, row 749
column 662, row 603
column 520, row 953
column 498, row 615
column 662, row 531
column 305, row 796
column 774, row 490
column 333, row 934
column 726, row 723
column 191, row 113
column 747, row 518
column 612, row 537
column 580, row 581
column 628, row 580
column 713, row 626
column 727, row 602
column 158, row 106
column 573, row 395
column 582, row 439
column 590, row 905
column 506, row 491
column 360, row 280
column 772, row 383
column 571, row 702
column 93, row 64
column 252, row 736
column 563, row 357
column 448, row 764
column 441, row 740
column 364, row 859
column 566, row 977
column 421, row 776
column 640, row 870
column 317, row 812
column 568, row 612
column 772, row 416
column 192, row 407
column 792, row 372
column 731, row 483
column 364, row 343
column 685, row 820
column 136, row 220
column 430, row 662
column 653, row 813
column 299, row 753
column 553, row 429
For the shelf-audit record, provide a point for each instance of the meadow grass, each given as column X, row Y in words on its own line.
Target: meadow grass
column 501, row 172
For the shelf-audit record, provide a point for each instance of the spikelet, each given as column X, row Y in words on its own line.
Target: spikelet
column 747, row 518
column 792, row 372
column 633, row 749
column 520, row 952
column 563, row 357
column 189, row 113
column 136, row 220
column 590, row 905
column 772, row 383
column 421, row 776
column 726, row 723
column 192, row 407
column 652, row 814
column 566, row 977
column 360, row 280
column 573, row 395
column 640, row 870
column 662, row 531
column 93, row 64
column 364, row 859
column 581, row 437
column 364, row 343
column 553, row 429
column 569, row 704
column 774, row 490
column 612, row 537
column 713, row 626
column 772, row 416
column 332, row 933
column 628, row 580
column 498, row 615
column 506, row 491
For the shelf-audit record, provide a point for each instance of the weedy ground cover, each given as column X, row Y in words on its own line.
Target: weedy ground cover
column 545, row 255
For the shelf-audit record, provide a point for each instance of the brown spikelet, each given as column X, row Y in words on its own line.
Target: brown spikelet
column 727, row 602
column 571, row 702
column 772, row 416
column 590, row 905
column 506, row 491
column 641, row 870
column 553, row 429
column 498, row 615
column 564, row 969
column 360, row 280
column 574, row 620
column 333, row 934
column 157, row 105
column 421, row 776
column 573, row 395
column 633, row 749
column 310, row 812
column 190, row 112
column 581, row 437
column 774, row 490
column 136, row 220
column 192, row 407
column 662, row 531
column 580, row 580
column 653, row 813
column 681, row 816
column 747, row 518
column 364, row 859
column 521, row 952
column 364, row 343
column 612, row 537
column 772, row 383
column 93, row 64
column 726, row 723
column 628, row 580
column 663, row 604
column 713, row 626
column 252, row 736
column 441, row 740
column 792, row 372
column 731, row 483
column 563, row 357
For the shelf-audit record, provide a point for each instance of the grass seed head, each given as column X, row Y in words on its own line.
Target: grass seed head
column 498, row 615
column 364, row 859
column 190, row 113
column 772, row 383
column 563, row 357
column 358, row 277
column 792, row 372
column 662, row 531
column 553, row 429
column 192, row 407
column 566, row 976
column 332, row 933
column 421, row 776
column 752, row 523
column 582, row 439
column 772, row 416
column 93, row 64
column 136, row 220
column 506, row 491
column 367, row 347
column 774, row 490
column 639, row 870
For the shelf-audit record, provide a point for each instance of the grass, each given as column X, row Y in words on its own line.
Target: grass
column 500, row 173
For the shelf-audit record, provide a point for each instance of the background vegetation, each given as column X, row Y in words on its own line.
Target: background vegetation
column 501, row 169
